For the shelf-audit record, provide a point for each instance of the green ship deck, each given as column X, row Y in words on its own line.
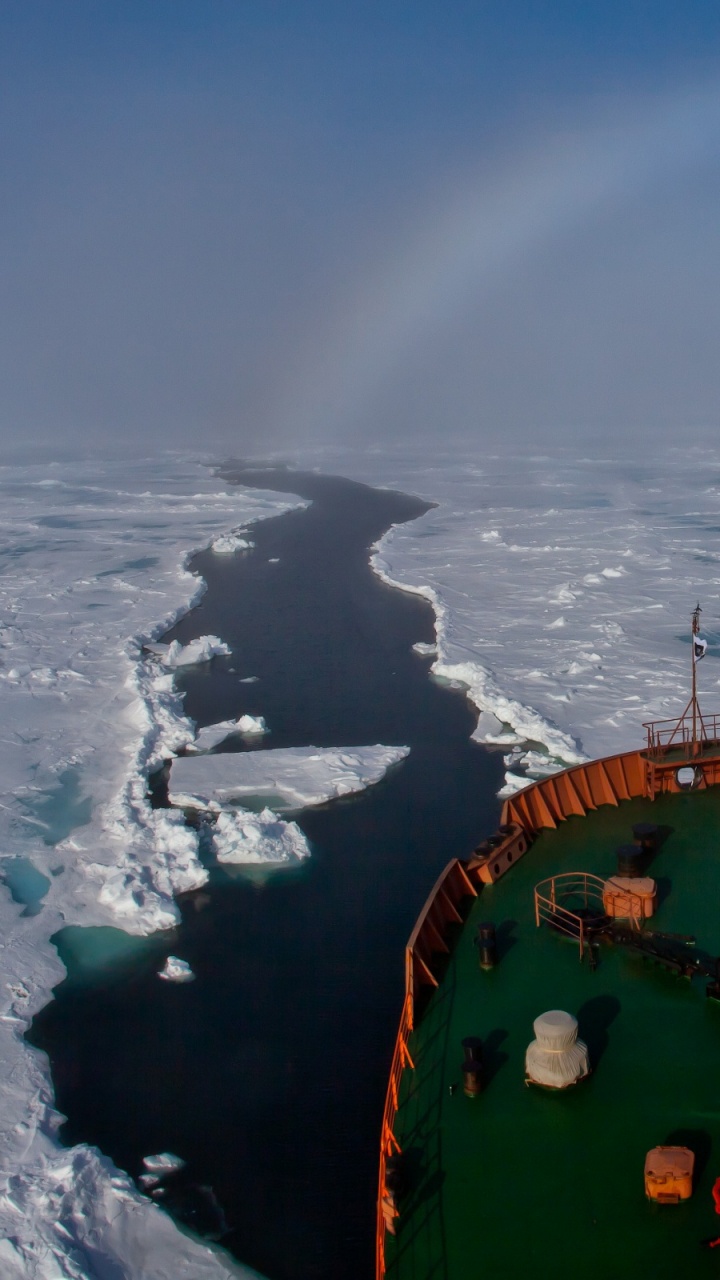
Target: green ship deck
column 524, row 1182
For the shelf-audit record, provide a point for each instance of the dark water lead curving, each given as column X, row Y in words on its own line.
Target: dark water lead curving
column 267, row 1074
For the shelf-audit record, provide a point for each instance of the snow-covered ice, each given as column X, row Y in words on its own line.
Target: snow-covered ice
column 247, row 838
column 213, row 734
column 163, row 1162
column 291, row 777
column 227, row 543
column 91, row 569
column 562, row 586
column 176, row 970
column 251, row 726
column 203, row 649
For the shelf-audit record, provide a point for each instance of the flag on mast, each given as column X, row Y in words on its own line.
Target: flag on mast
column 699, row 645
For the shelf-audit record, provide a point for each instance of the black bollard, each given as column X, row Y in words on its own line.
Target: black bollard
column 629, row 861
column 472, row 1046
column 472, row 1077
column 396, row 1176
column 645, row 835
column 486, row 945
column 712, row 990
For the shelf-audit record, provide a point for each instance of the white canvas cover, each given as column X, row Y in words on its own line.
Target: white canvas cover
column 556, row 1057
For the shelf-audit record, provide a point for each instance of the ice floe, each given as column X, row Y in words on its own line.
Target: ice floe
column 176, row 970
column 290, row 778
column 213, row 734
column 228, row 543
column 203, row 649
column 425, row 648
column 163, row 1162
column 247, row 838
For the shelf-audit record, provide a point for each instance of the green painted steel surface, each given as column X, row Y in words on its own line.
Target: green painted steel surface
column 524, row 1182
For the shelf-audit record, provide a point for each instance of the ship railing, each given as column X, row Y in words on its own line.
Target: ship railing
column 560, row 900
column 389, row 1145
column 442, row 909
column 687, row 735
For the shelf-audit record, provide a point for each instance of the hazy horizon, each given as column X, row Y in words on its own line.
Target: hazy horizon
column 256, row 229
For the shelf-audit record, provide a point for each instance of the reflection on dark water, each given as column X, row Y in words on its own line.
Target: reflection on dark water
column 267, row 1074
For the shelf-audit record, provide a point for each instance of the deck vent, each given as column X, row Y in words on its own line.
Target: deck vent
column 556, row 1058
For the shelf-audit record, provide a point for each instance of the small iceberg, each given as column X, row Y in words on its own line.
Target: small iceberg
column 213, row 734
column 165, row 1162
column 200, row 650
column 188, row 655
column 250, row 726
column 158, row 1167
column 175, row 970
column 247, row 838
column 227, row 543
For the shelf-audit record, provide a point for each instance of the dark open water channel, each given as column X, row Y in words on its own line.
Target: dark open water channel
column 267, row 1074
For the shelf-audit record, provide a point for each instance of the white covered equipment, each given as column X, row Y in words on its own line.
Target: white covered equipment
column 556, row 1058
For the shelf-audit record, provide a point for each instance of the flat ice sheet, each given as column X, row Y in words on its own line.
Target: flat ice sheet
column 299, row 776
column 213, row 734
column 562, row 586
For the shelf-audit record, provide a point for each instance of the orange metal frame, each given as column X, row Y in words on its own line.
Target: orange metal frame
column 548, row 903
column 427, row 939
column 609, row 781
column 691, row 734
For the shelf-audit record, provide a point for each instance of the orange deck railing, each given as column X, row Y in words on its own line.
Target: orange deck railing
column 387, row 1209
column 443, row 907
column 556, row 902
column 577, row 790
column 690, row 735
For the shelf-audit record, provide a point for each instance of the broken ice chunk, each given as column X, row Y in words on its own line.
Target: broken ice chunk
column 175, row 970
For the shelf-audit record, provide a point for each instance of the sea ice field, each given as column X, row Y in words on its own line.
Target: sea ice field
column 91, row 567
column 562, row 590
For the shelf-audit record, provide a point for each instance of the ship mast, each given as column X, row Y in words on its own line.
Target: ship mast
column 696, row 715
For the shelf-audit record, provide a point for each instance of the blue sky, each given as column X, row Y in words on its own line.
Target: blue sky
column 259, row 223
